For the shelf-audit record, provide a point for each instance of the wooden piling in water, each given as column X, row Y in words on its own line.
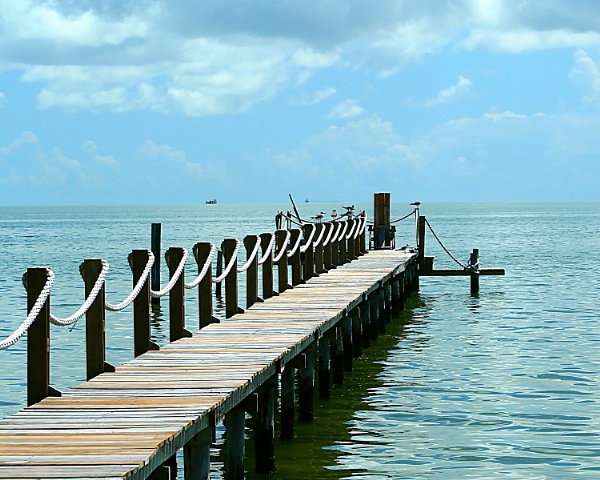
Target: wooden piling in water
column 306, row 386
column 231, row 283
column 295, row 258
column 205, row 298
column 155, row 241
column 142, row 333
column 174, row 256
column 267, row 267
column 250, row 242
column 282, row 265
column 474, row 260
column 264, row 428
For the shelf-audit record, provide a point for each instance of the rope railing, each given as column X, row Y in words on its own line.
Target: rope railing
column 294, row 249
column 283, row 249
column 169, row 286
column 64, row 322
column 317, row 242
column 136, row 290
column 330, row 237
column 35, row 311
column 405, row 216
column 207, row 264
column 246, row 266
column 363, row 222
column 232, row 261
column 350, row 234
column 268, row 251
column 444, row 247
column 308, row 244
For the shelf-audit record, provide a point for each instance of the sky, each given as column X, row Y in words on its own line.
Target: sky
column 246, row 101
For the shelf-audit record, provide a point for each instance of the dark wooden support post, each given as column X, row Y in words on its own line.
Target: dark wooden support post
column 401, row 291
column 282, row 265
column 387, row 302
column 381, row 221
column 395, row 285
column 196, row 456
column 142, row 333
column 365, row 315
column 95, row 324
column 337, row 357
column 347, row 342
column 374, row 309
column 252, row 273
column 474, row 259
column 421, row 221
column 288, row 398
column 171, row 466
column 363, row 240
column 335, row 246
column 324, row 368
column 231, row 283
column 319, row 249
column 357, row 331
column 343, row 244
column 205, row 298
column 235, row 444
column 161, row 473
column 328, row 249
column 380, row 299
column 155, row 235
column 177, row 330
column 295, row 259
column 219, row 286
column 264, row 427
column 351, row 253
column 38, row 339
column 267, row 266
column 306, row 386
column 309, row 255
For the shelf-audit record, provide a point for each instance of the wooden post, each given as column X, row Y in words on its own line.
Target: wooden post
column 421, row 241
column 95, row 329
column 231, row 284
column 381, row 310
column 235, row 444
column 142, row 332
column 295, row 259
column 357, row 332
column 328, row 249
column 474, row 259
column 309, row 255
column 155, row 247
column 335, row 246
column 267, row 266
column 381, row 221
column 252, row 273
column 337, row 357
column 351, row 253
column 177, row 330
column 395, row 285
column 282, row 265
column 347, row 342
column 205, row 299
column 38, row 339
column 219, row 286
column 365, row 311
column 387, row 302
column 264, row 428
column 306, row 386
column 161, row 473
column 288, row 398
column 319, row 262
column 196, row 456
column 342, row 245
column 363, row 241
column 374, row 309
column 324, row 368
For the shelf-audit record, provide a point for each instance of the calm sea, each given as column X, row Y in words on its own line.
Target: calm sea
column 503, row 384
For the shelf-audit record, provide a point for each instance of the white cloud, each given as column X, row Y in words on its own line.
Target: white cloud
column 460, row 88
column 346, row 110
column 586, row 73
column 315, row 98
column 173, row 163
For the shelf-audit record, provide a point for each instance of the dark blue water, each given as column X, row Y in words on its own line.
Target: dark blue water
column 503, row 384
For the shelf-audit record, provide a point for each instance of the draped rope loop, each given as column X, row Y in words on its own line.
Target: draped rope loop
column 308, row 244
column 232, row 261
column 169, row 286
column 283, row 248
column 246, row 266
column 268, row 251
column 194, row 283
column 294, row 249
column 136, row 290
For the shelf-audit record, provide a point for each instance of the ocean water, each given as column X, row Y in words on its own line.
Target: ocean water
column 502, row 384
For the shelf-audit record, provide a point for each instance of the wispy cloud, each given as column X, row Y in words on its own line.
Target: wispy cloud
column 346, row 110
column 316, row 97
column 460, row 88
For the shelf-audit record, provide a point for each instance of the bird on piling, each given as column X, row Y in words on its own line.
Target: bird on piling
column 333, row 214
column 318, row 217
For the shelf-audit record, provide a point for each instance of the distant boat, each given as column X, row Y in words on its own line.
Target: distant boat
column 306, row 201
column 212, row 201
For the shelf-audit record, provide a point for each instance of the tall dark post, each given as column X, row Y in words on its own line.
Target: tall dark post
column 267, row 266
column 264, row 428
column 319, row 265
column 155, row 247
column 142, row 334
column 177, row 329
column 381, row 221
column 327, row 249
column 282, row 265
column 474, row 259
column 205, row 299
column 95, row 336
column 295, row 258
column 252, row 272
column 38, row 339
column 231, row 284
column 219, row 286
column 309, row 255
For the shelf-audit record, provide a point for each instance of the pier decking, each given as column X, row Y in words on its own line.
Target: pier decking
column 130, row 423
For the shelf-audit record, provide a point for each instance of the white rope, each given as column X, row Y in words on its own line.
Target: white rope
column 293, row 251
column 35, row 311
column 268, row 251
column 351, row 232
column 63, row 322
column 363, row 221
column 308, row 244
column 328, row 239
column 205, row 268
column 282, row 250
column 221, row 277
column 318, row 240
column 342, row 236
column 136, row 290
column 169, row 286
column 246, row 266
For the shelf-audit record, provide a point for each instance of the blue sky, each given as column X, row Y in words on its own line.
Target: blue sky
column 140, row 102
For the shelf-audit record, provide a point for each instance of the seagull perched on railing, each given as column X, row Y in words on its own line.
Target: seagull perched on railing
column 349, row 208
column 318, row 217
column 333, row 214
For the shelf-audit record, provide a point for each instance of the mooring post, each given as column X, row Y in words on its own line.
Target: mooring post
column 173, row 257
column 387, row 301
column 155, row 247
column 250, row 242
column 328, row 249
column 374, row 314
column 38, row 338
column 196, row 456
column 306, row 386
column 342, row 245
column 357, row 331
column 319, row 262
column 295, row 259
column 324, row 367
column 205, row 299
column 335, row 246
column 267, row 266
column 351, row 252
column 95, row 324
column 288, row 399
column 381, row 221
column 219, row 271
column 337, row 357
column 142, row 331
column 395, row 286
column 346, row 324
column 282, row 265
column 367, row 324
column 309, row 255
column 231, row 284
column 264, row 427
column 235, row 444
column 474, row 260
column 363, row 238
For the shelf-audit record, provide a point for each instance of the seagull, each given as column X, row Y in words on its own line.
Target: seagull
column 349, row 208
column 416, row 204
column 318, row 217
column 334, row 213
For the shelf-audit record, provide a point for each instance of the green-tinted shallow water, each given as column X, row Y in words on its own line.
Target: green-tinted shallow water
column 499, row 385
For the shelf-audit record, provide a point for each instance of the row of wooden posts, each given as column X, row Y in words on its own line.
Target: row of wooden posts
column 303, row 267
